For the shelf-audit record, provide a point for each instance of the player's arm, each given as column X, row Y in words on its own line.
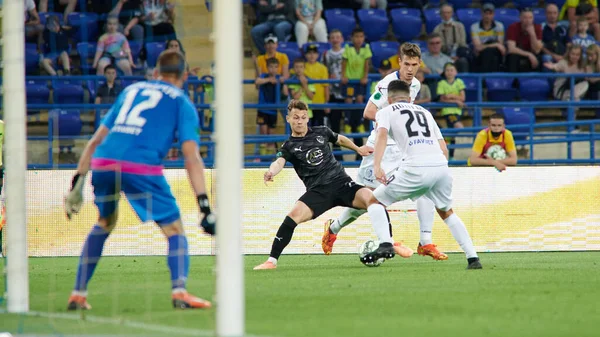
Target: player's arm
column 194, row 165
column 274, row 169
column 349, row 144
column 511, row 150
column 438, row 134
column 380, row 144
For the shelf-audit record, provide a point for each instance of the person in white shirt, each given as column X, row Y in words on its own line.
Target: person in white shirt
column 423, row 170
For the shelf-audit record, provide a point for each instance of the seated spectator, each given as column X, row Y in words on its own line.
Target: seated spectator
column 572, row 9
column 424, row 95
column 55, row 46
column 176, row 44
column 379, row 4
column 488, row 41
column 275, row 17
column 113, row 48
column 554, row 36
column 452, row 90
column 127, row 10
column 493, row 136
column 33, row 26
column 107, row 92
column 317, row 71
column 59, row 6
column 395, row 62
column 303, row 91
column 271, row 51
column 524, row 41
column 310, row 22
column 158, row 18
column 434, row 59
column 267, row 94
column 593, row 67
column 582, row 38
column 572, row 63
column 454, row 38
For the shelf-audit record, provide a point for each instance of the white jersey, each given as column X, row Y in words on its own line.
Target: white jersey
column 415, row 132
column 380, row 99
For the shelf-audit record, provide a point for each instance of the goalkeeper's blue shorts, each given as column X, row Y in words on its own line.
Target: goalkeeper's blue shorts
column 145, row 187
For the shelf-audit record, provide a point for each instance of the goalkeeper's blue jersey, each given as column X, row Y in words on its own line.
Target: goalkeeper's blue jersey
column 144, row 122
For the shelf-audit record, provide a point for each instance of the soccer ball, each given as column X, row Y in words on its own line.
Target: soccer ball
column 496, row 152
column 368, row 247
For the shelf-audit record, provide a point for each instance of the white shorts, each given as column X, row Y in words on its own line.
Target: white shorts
column 392, row 158
column 434, row 182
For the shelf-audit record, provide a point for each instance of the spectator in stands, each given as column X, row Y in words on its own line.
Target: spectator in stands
column 572, row 9
column 495, row 134
column 424, row 95
column 127, row 10
column 434, row 59
column 55, row 46
column 59, row 6
column 303, row 91
column 113, row 48
column 488, row 41
column 356, row 61
column 158, row 17
column 524, row 44
column 275, row 17
column 33, row 26
column 176, row 44
column 452, row 90
column 593, row 67
column 395, row 63
column 454, row 38
column 317, row 71
column 267, row 94
column 554, row 36
column 332, row 59
column 379, row 4
column 310, row 21
column 572, row 63
column 271, row 51
column 108, row 91
column 582, row 38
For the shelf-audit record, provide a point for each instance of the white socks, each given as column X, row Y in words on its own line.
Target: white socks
column 425, row 212
column 459, row 231
column 380, row 222
column 272, row 260
column 347, row 217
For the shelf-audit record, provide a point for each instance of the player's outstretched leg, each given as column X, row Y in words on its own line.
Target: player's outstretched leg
column 426, row 213
column 461, row 235
column 90, row 255
column 333, row 227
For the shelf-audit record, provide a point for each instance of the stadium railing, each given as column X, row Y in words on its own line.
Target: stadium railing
column 207, row 122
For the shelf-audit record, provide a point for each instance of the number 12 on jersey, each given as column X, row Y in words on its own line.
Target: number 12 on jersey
column 129, row 114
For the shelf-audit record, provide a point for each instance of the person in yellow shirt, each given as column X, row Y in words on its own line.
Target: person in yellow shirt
column 572, row 9
column 452, row 90
column 271, row 48
column 488, row 142
column 317, row 71
column 395, row 63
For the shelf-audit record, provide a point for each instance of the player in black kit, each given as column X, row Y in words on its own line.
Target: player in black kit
column 327, row 184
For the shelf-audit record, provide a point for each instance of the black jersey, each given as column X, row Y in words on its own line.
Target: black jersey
column 312, row 157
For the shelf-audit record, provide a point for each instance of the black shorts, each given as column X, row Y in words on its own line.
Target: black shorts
column 353, row 90
column 452, row 119
column 322, row 199
column 266, row 119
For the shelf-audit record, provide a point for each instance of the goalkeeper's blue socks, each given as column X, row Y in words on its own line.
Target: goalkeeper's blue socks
column 90, row 255
column 178, row 261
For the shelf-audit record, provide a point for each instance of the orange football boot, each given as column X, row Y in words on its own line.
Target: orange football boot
column 184, row 300
column 431, row 250
column 78, row 302
column 328, row 238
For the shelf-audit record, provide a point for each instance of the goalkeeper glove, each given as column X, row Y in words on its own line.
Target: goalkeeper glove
column 74, row 199
column 209, row 220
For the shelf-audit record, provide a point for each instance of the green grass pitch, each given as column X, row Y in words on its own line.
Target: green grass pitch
column 516, row 294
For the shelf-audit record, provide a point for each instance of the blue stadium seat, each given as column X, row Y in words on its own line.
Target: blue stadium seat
column 382, row 50
column 507, row 16
column 67, row 122
column 406, row 23
column 136, row 49
column 32, row 60
column 432, row 19
column 457, row 4
column 539, row 15
column 68, row 93
column 558, row 3
column 45, row 15
column 534, row 89
column 37, row 93
column 470, row 89
column 291, row 50
column 514, row 116
column 86, row 52
column 323, row 47
column 468, row 16
column 153, row 50
column 422, row 44
column 375, row 23
column 85, row 26
column 500, row 89
column 525, row 3
column 342, row 19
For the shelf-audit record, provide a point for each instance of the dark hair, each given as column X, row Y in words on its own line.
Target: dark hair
column 526, row 9
column 180, row 45
column 297, row 104
column 299, row 60
column 497, row 116
column 397, row 86
column 357, row 30
column 433, row 36
column 272, row 60
column 171, row 62
column 110, row 66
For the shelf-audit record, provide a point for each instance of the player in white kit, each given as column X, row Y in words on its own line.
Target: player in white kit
column 423, row 170
column 410, row 61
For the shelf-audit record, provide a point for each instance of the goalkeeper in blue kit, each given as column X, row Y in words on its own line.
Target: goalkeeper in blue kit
column 125, row 155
